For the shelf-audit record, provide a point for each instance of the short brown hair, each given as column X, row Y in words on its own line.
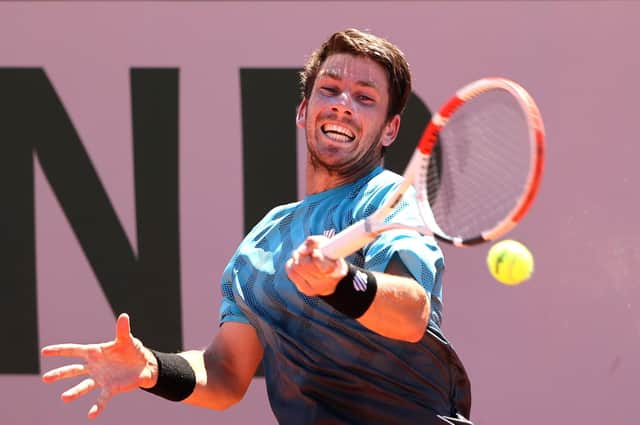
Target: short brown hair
column 378, row 49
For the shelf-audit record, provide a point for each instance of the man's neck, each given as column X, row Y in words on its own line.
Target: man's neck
column 320, row 179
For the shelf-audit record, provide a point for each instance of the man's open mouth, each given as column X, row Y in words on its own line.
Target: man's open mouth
column 338, row 133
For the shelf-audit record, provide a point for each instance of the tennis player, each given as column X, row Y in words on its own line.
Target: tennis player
column 352, row 340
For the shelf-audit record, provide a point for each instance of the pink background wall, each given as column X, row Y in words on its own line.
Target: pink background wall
column 561, row 349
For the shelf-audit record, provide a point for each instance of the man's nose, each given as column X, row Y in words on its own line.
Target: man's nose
column 343, row 104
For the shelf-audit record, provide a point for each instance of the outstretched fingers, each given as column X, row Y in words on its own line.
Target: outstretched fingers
column 65, row 350
column 79, row 390
column 123, row 328
column 100, row 404
column 70, row 371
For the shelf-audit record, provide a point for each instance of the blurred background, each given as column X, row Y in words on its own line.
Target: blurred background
column 135, row 137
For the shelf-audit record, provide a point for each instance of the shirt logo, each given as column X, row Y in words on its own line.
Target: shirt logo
column 329, row 233
column 360, row 281
column 458, row 420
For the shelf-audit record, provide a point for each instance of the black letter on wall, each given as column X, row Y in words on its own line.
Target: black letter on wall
column 33, row 120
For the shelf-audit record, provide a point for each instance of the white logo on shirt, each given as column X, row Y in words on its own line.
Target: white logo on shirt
column 329, row 233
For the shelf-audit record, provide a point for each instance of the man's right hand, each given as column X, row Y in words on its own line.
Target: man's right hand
column 116, row 366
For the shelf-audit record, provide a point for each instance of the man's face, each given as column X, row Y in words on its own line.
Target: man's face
column 345, row 114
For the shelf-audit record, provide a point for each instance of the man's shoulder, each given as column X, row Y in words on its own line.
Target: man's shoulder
column 280, row 210
column 378, row 185
column 273, row 216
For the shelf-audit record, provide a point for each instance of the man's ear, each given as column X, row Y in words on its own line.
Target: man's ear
column 390, row 131
column 301, row 113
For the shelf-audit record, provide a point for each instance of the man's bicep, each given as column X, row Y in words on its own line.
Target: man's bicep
column 234, row 354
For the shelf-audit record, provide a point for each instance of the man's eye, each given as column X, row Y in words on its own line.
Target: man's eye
column 366, row 99
column 329, row 90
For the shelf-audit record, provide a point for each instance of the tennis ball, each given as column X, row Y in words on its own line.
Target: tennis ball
column 510, row 262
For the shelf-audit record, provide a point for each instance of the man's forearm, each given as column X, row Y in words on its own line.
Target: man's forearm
column 214, row 388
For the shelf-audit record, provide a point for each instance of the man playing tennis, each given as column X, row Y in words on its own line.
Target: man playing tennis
column 355, row 340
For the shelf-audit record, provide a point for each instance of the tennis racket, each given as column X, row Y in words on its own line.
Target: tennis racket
column 476, row 170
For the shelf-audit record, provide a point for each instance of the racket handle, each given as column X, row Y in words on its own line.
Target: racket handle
column 348, row 241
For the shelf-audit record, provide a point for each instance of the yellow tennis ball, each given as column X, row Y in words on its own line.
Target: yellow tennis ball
column 510, row 262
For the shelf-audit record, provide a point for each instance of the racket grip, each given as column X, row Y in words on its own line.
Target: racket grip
column 348, row 241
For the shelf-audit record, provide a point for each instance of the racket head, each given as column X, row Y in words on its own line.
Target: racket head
column 482, row 157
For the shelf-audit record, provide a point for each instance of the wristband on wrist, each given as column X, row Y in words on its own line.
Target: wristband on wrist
column 354, row 293
column 176, row 378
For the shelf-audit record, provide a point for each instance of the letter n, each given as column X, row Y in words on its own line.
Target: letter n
column 34, row 124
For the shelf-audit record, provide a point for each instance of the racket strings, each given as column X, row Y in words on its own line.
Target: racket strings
column 480, row 166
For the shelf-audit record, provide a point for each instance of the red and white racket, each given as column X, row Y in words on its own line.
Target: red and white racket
column 476, row 170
